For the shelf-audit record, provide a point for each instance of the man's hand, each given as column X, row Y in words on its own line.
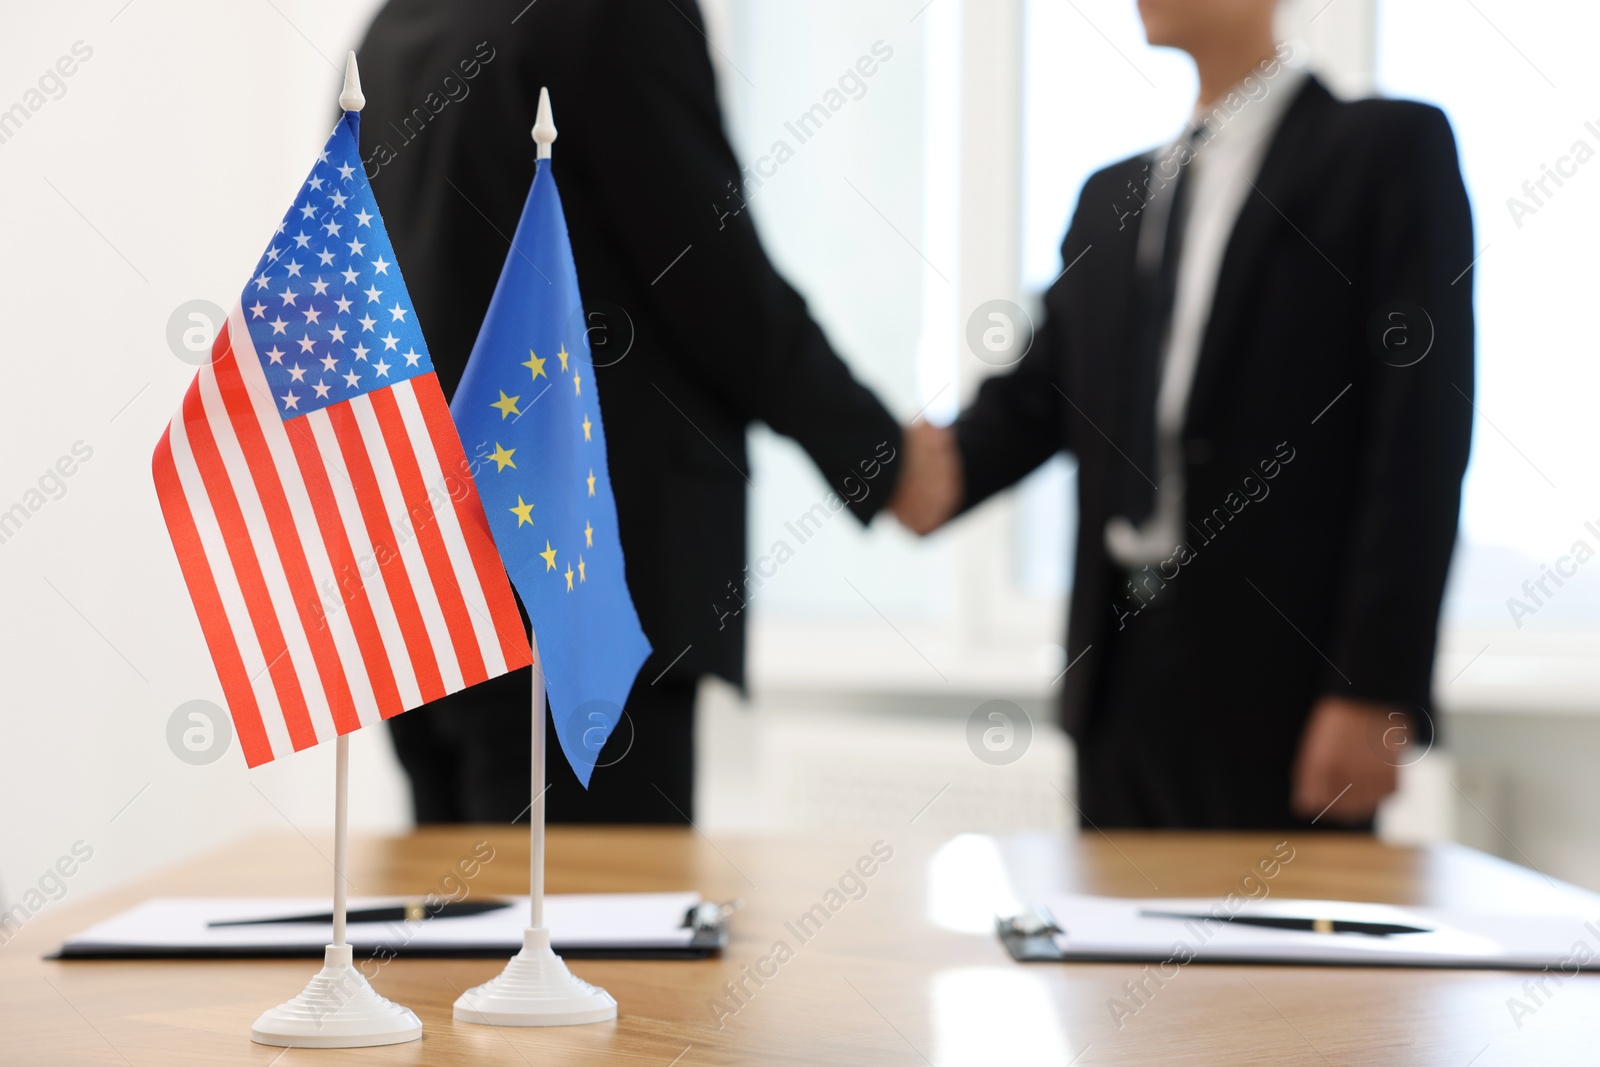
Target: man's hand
column 929, row 488
column 1349, row 759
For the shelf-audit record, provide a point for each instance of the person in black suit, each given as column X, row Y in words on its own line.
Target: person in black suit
column 694, row 335
column 1261, row 354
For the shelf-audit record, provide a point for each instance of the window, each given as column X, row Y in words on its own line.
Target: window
column 860, row 216
column 1519, row 84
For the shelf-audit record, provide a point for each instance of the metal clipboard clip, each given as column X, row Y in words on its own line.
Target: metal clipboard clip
column 709, row 920
column 1030, row 936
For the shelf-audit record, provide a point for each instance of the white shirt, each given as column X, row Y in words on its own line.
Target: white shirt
column 1219, row 179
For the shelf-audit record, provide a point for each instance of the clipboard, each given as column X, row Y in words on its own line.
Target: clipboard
column 632, row 926
column 1089, row 929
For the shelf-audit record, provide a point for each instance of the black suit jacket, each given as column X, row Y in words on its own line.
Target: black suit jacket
column 1327, row 576
column 714, row 338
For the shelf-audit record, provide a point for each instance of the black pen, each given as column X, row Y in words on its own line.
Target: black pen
column 411, row 911
column 1318, row 926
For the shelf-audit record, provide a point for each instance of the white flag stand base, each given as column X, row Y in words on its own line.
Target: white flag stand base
column 535, row 989
column 338, row 1009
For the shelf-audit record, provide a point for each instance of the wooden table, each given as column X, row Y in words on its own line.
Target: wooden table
column 909, row 973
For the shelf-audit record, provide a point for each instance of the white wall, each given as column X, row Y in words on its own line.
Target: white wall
column 153, row 180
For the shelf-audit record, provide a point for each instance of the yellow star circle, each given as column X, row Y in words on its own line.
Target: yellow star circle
column 502, row 457
column 506, row 404
column 535, row 364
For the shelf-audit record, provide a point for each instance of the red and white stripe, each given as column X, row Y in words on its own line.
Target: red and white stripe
column 340, row 562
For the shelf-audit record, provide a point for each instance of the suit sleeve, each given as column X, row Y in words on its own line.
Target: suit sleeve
column 662, row 166
column 1016, row 421
column 1418, row 422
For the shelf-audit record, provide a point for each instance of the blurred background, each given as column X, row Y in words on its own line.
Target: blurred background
column 151, row 175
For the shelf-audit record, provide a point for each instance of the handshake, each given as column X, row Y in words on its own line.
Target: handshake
column 929, row 488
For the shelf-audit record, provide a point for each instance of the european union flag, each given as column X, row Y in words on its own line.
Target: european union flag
column 528, row 408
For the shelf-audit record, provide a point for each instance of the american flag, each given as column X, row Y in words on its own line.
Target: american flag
column 317, row 494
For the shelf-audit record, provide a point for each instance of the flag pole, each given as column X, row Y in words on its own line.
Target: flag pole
column 536, row 806
column 544, row 135
column 341, row 834
column 536, row 989
column 351, row 98
column 338, row 1008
